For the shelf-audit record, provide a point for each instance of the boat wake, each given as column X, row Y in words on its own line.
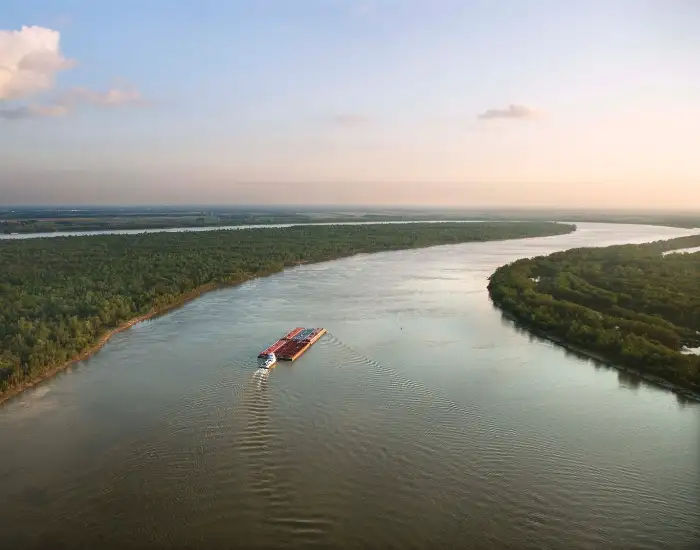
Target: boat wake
column 260, row 377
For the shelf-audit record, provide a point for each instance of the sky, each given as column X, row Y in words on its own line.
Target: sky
column 541, row 103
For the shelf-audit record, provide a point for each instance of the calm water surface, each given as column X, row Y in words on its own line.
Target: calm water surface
column 423, row 419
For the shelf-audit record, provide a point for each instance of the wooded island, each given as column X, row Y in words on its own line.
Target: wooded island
column 629, row 305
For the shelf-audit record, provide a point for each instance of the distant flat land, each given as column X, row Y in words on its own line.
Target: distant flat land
column 52, row 219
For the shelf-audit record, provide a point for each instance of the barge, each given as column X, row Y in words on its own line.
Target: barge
column 293, row 344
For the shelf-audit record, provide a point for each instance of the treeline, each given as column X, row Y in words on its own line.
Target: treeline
column 46, row 219
column 629, row 304
column 202, row 219
column 58, row 296
column 150, row 221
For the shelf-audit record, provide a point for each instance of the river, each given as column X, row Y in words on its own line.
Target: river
column 422, row 419
column 21, row 236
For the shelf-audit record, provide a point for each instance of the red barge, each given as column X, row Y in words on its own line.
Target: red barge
column 293, row 344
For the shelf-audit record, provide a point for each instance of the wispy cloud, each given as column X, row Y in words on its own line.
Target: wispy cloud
column 72, row 99
column 512, row 111
column 109, row 98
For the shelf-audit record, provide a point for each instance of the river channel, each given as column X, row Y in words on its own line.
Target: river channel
column 423, row 419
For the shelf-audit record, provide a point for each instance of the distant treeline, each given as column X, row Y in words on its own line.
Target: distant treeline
column 58, row 296
column 108, row 222
column 47, row 219
column 628, row 304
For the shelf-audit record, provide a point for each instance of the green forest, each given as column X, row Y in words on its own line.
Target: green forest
column 59, row 295
column 629, row 304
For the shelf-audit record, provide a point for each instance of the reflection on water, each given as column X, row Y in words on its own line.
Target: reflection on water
column 629, row 380
column 422, row 419
column 626, row 378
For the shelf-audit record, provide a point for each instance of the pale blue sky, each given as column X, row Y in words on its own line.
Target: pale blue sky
column 355, row 102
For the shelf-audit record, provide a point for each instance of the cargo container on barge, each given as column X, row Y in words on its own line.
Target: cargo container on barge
column 293, row 344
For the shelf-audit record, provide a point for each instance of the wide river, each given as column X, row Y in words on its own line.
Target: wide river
column 423, row 419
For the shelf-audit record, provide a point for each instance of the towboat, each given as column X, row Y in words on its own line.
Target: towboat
column 293, row 344
column 267, row 361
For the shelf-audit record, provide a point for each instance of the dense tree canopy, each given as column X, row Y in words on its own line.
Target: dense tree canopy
column 629, row 304
column 58, row 296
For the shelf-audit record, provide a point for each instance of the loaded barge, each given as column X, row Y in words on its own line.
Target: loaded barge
column 293, row 344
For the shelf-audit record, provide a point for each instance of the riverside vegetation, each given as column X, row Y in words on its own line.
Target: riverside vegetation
column 629, row 305
column 60, row 298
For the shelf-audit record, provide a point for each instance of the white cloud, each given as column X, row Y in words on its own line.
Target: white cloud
column 29, row 61
column 512, row 111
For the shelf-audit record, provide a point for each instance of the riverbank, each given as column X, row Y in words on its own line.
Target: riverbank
column 62, row 295
column 601, row 359
column 104, row 338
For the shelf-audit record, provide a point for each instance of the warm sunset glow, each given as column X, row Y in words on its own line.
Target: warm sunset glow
column 513, row 104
